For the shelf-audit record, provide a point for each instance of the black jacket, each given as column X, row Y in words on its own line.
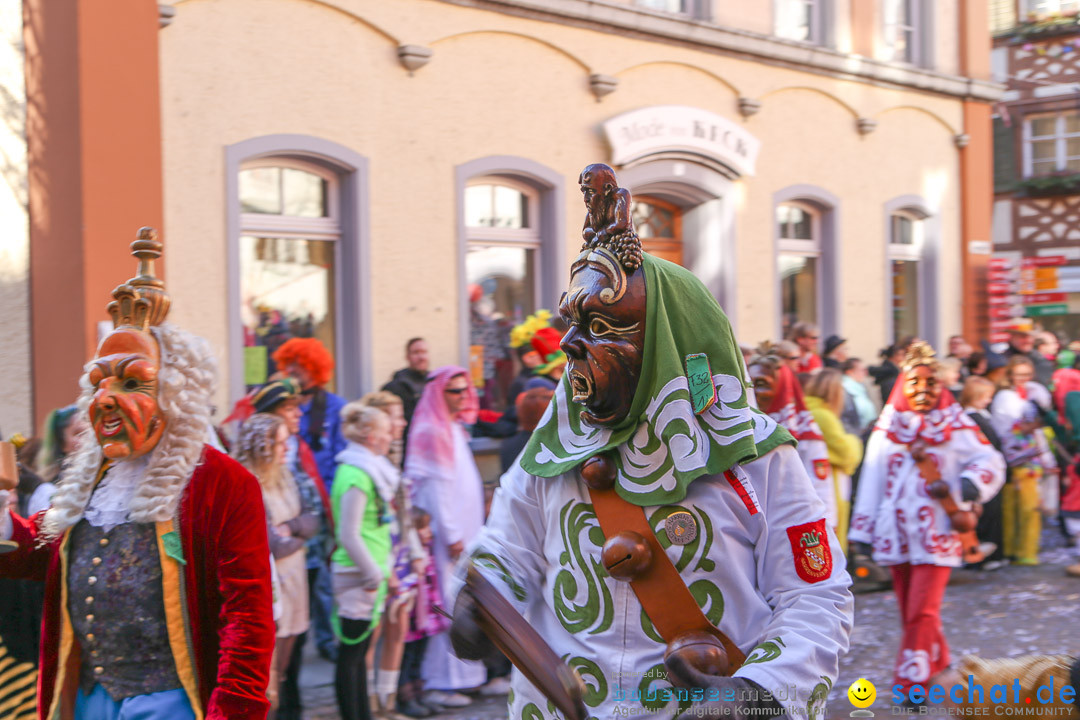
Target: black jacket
column 407, row 384
column 885, row 376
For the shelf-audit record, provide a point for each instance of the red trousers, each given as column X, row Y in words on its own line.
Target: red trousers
column 924, row 651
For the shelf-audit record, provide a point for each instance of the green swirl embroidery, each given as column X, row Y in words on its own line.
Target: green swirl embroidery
column 815, row 706
column 709, row 599
column 531, row 712
column 704, row 563
column 574, row 519
column 595, row 692
column 707, row 596
column 489, row 560
column 766, row 651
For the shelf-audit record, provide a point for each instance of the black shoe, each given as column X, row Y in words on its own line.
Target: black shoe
column 414, row 709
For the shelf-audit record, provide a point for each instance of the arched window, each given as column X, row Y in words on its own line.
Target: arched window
column 905, row 254
column 659, row 225
column 503, row 245
column 798, row 227
column 289, row 259
column 502, row 269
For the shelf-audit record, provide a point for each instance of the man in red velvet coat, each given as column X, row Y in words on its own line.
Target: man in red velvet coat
column 154, row 552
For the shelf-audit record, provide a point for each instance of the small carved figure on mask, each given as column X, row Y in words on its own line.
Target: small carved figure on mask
column 607, row 220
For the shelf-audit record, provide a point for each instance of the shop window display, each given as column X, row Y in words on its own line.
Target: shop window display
column 502, row 271
column 798, row 264
column 289, row 241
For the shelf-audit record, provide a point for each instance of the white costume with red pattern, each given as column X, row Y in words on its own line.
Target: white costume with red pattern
column 788, row 408
column 893, row 511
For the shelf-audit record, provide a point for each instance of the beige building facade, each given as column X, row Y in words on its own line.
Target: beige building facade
column 526, row 94
column 349, row 169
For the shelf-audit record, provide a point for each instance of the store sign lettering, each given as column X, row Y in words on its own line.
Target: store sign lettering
column 678, row 128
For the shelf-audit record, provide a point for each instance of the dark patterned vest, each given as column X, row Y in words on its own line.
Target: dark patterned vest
column 117, row 609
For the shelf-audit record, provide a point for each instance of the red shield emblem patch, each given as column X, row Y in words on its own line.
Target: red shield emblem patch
column 822, row 468
column 810, row 548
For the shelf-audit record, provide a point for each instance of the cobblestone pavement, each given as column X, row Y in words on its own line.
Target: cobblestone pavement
column 1009, row 612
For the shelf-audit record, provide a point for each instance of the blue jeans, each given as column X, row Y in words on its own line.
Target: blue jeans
column 167, row 705
column 321, row 594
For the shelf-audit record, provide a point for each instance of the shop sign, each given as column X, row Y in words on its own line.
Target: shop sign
column 1044, row 261
column 1007, row 299
column 680, row 128
column 1044, row 310
column 1015, row 323
column 1045, row 298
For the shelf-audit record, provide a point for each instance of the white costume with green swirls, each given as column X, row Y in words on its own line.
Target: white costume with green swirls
column 541, row 548
column 542, row 542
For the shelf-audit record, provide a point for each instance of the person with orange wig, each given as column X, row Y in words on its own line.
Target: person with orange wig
column 307, row 361
column 310, row 364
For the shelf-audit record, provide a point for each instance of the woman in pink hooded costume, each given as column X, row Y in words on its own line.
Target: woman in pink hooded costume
column 448, row 486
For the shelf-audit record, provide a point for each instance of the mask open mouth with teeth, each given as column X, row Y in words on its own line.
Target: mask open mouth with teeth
column 582, row 387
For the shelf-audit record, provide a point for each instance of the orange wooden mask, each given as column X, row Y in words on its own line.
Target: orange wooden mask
column 124, row 411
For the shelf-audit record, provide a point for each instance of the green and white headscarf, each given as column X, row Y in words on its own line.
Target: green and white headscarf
column 662, row 446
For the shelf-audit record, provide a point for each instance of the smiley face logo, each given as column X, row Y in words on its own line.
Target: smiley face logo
column 862, row 693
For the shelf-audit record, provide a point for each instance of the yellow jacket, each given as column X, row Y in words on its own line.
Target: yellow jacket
column 845, row 449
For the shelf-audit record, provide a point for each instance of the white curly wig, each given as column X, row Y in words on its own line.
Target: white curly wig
column 185, row 387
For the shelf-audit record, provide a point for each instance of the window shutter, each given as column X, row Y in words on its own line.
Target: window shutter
column 1004, row 157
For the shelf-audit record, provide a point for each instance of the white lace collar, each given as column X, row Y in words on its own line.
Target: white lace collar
column 111, row 501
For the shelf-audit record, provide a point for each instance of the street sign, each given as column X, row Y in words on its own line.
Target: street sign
column 999, row 337
column 1045, row 310
column 1004, row 312
column 999, row 288
column 1045, row 261
column 1044, row 298
column 1000, row 263
column 1010, row 299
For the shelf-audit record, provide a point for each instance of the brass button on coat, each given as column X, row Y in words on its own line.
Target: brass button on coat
column 103, row 542
column 92, row 580
column 96, row 561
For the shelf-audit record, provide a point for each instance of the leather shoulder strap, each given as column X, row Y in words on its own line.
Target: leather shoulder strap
column 660, row 589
